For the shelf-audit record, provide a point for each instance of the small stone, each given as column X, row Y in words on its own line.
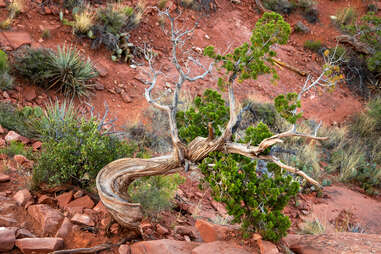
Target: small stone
column 64, row 199
column 114, row 229
column 45, row 199
column 4, row 178
column 102, row 70
column 22, row 196
column 7, row 238
column 2, row 142
column 299, row 26
column 12, row 136
column 24, row 233
column 39, row 245
column 48, row 218
column 36, row 145
column 65, row 228
column 30, row 93
column 83, row 219
column 100, row 208
column 124, row 249
column 184, row 230
column 83, row 202
column 161, row 229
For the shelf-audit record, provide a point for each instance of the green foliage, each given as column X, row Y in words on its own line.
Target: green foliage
column 155, row 193
column 254, row 58
column 117, row 18
column 6, row 80
column 15, row 148
column 280, row 6
column 368, row 31
column 77, row 153
column 287, row 105
column 254, row 201
column 357, row 158
column 64, row 70
column 313, row 45
column 18, row 119
column 208, row 108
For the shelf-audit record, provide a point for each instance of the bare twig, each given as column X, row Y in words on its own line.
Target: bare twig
column 95, row 249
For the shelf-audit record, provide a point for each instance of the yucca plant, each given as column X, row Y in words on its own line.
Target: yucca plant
column 69, row 73
column 63, row 70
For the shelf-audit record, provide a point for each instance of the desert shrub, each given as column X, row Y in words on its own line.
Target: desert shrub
column 78, row 152
column 14, row 148
column 357, row 157
column 18, row 120
column 208, row 108
column 346, row 16
column 364, row 70
column 118, row 18
column 63, row 70
column 254, row 198
column 206, row 6
column 280, row 6
column 313, row 227
column 155, row 193
column 313, row 45
column 84, row 20
column 6, row 80
column 309, row 11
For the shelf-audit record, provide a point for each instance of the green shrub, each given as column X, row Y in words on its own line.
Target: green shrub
column 118, row 18
column 280, row 6
column 15, row 148
column 313, row 45
column 208, row 108
column 254, row 199
column 155, row 193
column 6, row 80
column 77, row 154
column 64, row 70
column 18, row 119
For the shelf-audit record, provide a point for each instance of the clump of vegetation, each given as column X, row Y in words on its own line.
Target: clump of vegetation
column 84, row 20
column 315, row 46
column 280, row 6
column 155, row 193
column 346, row 16
column 254, row 198
column 15, row 148
column 206, row 6
column 74, row 148
column 363, row 66
column 18, row 120
column 313, row 227
column 14, row 8
column 64, row 70
column 6, row 80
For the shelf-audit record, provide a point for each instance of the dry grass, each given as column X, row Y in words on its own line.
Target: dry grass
column 84, row 20
column 15, row 7
column 314, row 227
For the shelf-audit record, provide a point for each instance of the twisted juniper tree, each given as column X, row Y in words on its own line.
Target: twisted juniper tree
column 228, row 163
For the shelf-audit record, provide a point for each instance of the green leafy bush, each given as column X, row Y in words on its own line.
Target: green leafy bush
column 254, row 199
column 77, row 151
column 6, row 80
column 64, row 70
column 155, row 193
column 15, row 148
column 313, row 45
column 19, row 120
column 208, row 108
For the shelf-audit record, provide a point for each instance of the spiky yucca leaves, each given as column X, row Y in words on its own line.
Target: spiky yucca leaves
column 65, row 70
column 69, row 73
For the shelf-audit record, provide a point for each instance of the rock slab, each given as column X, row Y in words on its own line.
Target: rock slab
column 39, row 245
column 49, row 218
column 7, row 238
